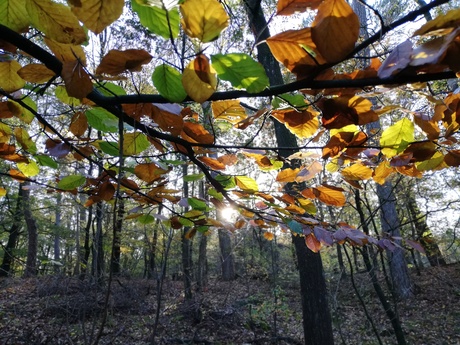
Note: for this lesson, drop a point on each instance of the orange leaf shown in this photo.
(17, 175)
(295, 209)
(382, 171)
(335, 29)
(106, 191)
(296, 50)
(167, 121)
(77, 82)
(288, 7)
(428, 125)
(228, 159)
(78, 124)
(268, 236)
(356, 172)
(149, 172)
(312, 243)
(342, 111)
(212, 163)
(36, 73)
(287, 175)
(306, 174)
(118, 61)
(330, 195)
(230, 111)
(197, 133)
(303, 124)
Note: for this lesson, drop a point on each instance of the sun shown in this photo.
(228, 214)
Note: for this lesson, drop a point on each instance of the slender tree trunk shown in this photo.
(202, 265)
(98, 246)
(186, 248)
(317, 321)
(57, 239)
(226, 255)
(32, 233)
(115, 263)
(14, 232)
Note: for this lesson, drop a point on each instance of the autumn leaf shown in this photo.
(343, 111)
(335, 29)
(134, 143)
(444, 21)
(428, 125)
(199, 79)
(330, 195)
(229, 111)
(78, 124)
(312, 243)
(382, 171)
(97, 14)
(295, 50)
(357, 172)
(287, 175)
(247, 184)
(56, 21)
(396, 138)
(23, 137)
(197, 133)
(66, 52)
(399, 59)
(203, 19)
(452, 158)
(35, 73)
(288, 7)
(119, 61)
(148, 172)
(212, 163)
(9, 78)
(269, 236)
(166, 119)
(77, 81)
(303, 124)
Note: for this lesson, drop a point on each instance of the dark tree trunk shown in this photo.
(57, 239)
(32, 233)
(115, 263)
(317, 321)
(98, 246)
(14, 232)
(202, 265)
(226, 255)
(186, 249)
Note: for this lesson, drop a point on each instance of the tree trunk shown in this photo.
(317, 321)
(57, 240)
(391, 225)
(98, 246)
(115, 265)
(32, 233)
(226, 255)
(202, 265)
(186, 248)
(14, 232)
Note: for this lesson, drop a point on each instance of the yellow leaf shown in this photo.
(307, 205)
(56, 21)
(442, 23)
(230, 111)
(97, 14)
(247, 184)
(9, 79)
(203, 19)
(5, 133)
(382, 172)
(295, 209)
(357, 171)
(2, 191)
(288, 7)
(335, 29)
(303, 124)
(66, 52)
(119, 61)
(77, 82)
(199, 79)
(36, 73)
(13, 14)
(287, 175)
(23, 137)
(431, 164)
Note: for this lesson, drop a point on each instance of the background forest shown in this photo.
(229, 172)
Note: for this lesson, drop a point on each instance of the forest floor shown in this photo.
(62, 310)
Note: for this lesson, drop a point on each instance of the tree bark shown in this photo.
(226, 255)
(186, 248)
(115, 263)
(14, 232)
(317, 321)
(32, 233)
(57, 240)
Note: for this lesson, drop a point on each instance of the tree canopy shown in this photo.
(59, 112)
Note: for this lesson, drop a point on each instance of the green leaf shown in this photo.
(248, 184)
(193, 177)
(29, 169)
(276, 165)
(13, 14)
(214, 193)
(111, 89)
(71, 182)
(134, 143)
(295, 226)
(146, 219)
(186, 222)
(228, 182)
(197, 204)
(47, 161)
(101, 120)
(241, 71)
(26, 115)
(397, 137)
(158, 20)
(110, 148)
(168, 82)
(287, 99)
(61, 94)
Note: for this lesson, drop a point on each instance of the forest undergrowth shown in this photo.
(63, 310)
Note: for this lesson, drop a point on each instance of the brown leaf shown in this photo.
(56, 148)
(312, 243)
(118, 61)
(330, 195)
(66, 52)
(287, 175)
(197, 133)
(445, 21)
(212, 163)
(77, 82)
(335, 29)
(399, 59)
(342, 111)
(167, 121)
(303, 124)
(452, 158)
(149, 172)
(36, 73)
(78, 124)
